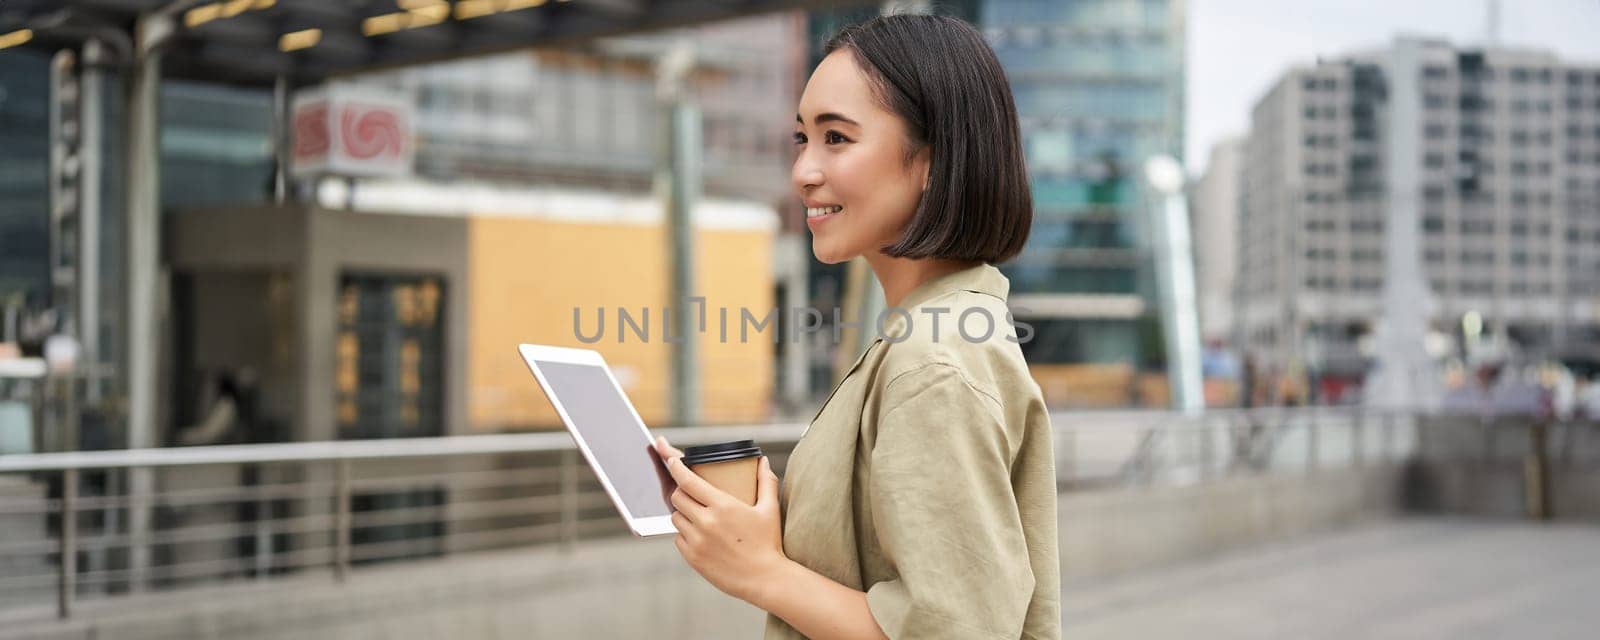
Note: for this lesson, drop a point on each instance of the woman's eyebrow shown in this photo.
(827, 117)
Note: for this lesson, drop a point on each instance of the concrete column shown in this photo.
(92, 95)
(281, 90)
(144, 306)
(1404, 376)
(680, 172)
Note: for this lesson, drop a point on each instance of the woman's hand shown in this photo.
(734, 546)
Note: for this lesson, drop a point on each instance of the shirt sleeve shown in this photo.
(945, 514)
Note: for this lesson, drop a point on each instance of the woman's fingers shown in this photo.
(695, 486)
(766, 485)
(682, 503)
(686, 532)
(665, 450)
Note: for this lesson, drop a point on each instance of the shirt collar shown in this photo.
(984, 278)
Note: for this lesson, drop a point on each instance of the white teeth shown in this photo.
(812, 212)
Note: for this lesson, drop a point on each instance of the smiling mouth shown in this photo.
(817, 212)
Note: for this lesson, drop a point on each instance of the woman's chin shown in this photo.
(828, 255)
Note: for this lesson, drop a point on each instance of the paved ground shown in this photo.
(1408, 578)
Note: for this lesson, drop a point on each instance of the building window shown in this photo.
(389, 357)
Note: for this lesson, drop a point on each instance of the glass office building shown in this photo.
(1099, 89)
(24, 176)
(215, 149)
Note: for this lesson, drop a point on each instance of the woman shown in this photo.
(920, 503)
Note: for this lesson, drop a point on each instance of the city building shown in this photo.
(1494, 152)
(1215, 208)
(216, 148)
(532, 205)
(1099, 88)
(357, 305)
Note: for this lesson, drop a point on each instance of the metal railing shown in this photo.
(253, 512)
(1146, 448)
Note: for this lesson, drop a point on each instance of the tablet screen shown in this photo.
(617, 441)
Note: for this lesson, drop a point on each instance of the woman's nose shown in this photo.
(805, 174)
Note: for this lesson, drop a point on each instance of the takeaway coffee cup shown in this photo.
(730, 466)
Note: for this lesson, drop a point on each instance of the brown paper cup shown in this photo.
(737, 477)
(733, 467)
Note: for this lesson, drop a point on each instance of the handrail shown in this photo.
(340, 504)
(553, 440)
(443, 446)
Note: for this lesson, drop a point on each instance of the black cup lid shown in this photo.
(721, 452)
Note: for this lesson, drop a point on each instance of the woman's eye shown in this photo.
(799, 138)
(833, 137)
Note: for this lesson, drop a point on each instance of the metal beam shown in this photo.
(152, 35)
(252, 60)
(92, 98)
(554, 23)
(338, 48)
(622, 8)
(127, 6)
(142, 232)
(244, 29)
(679, 170)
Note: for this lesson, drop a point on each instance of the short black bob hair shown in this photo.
(944, 81)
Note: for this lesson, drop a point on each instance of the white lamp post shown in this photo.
(1174, 253)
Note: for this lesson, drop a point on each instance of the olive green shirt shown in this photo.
(928, 478)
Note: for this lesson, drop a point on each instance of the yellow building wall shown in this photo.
(526, 275)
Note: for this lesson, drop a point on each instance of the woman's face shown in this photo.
(851, 172)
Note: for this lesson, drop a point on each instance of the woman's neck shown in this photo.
(900, 276)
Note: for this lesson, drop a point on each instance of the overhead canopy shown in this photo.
(253, 42)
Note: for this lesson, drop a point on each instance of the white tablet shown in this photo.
(609, 433)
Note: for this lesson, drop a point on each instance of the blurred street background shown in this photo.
(1313, 289)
